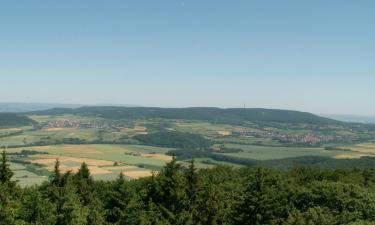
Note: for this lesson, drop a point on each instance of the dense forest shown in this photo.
(185, 195)
(12, 120)
(174, 139)
(218, 115)
(365, 162)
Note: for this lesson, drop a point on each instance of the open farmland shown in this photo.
(269, 153)
(25, 177)
(357, 151)
(137, 141)
(104, 161)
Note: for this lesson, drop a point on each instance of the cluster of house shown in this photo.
(308, 138)
(84, 124)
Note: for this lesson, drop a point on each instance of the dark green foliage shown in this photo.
(5, 172)
(36, 209)
(265, 199)
(13, 120)
(286, 163)
(188, 196)
(217, 115)
(174, 139)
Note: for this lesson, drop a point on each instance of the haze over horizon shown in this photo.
(308, 56)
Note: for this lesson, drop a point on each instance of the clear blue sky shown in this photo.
(316, 56)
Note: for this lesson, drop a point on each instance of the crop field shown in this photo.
(267, 153)
(104, 161)
(25, 178)
(249, 141)
(206, 129)
(357, 151)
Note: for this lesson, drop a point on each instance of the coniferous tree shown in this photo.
(123, 204)
(36, 209)
(5, 171)
(171, 188)
(8, 207)
(192, 190)
(84, 184)
(264, 201)
(56, 175)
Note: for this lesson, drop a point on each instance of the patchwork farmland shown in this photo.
(139, 141)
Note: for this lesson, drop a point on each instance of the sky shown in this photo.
(316, 56)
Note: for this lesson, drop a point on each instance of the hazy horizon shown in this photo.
(339, 116)
(307, 56)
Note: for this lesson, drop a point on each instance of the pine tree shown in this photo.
(72, 212)
(264, 202)
(56, 175)
(84, 173)
(123, 204)
(8, 208)
(171, 187)
(5, 171)
(192, 181)
(192, 189)
(36, 209)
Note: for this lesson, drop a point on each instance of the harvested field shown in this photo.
(224, 133)
(348, 156)
(10, 129)
(51, 159)
(71, 149)
(137, 174)
(158, 156)
(140, 128)
(358, 151)
(94, 170)
(120, 168)
(55, 129)
(81, 149)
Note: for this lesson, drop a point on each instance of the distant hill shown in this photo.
(12, 120)
(230, 116)
(27, 107)
(352, 118)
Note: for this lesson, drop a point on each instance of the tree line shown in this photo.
(185, 195)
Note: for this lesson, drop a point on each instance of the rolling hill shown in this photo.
(18, 107)
(229, 116)
(12, 120)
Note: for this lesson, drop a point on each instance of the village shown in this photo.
(77, 124)
(295, 139)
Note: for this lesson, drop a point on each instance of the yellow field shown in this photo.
(10, 129)
(358, 151)
(121, 168)
(224, 133)
(94, 170)
(51, 159)
(137, 174)
(158, 156)
(101, 159)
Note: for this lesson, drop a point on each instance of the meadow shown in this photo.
(269, 153)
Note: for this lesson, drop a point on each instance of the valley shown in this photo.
(139, 141)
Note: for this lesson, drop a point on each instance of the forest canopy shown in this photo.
(185, 195)
(13, 120)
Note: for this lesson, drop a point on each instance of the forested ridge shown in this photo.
(229, 116)
(11, 120)
(185, 195)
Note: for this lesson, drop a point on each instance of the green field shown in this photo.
(268, 153)
(25, 178)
